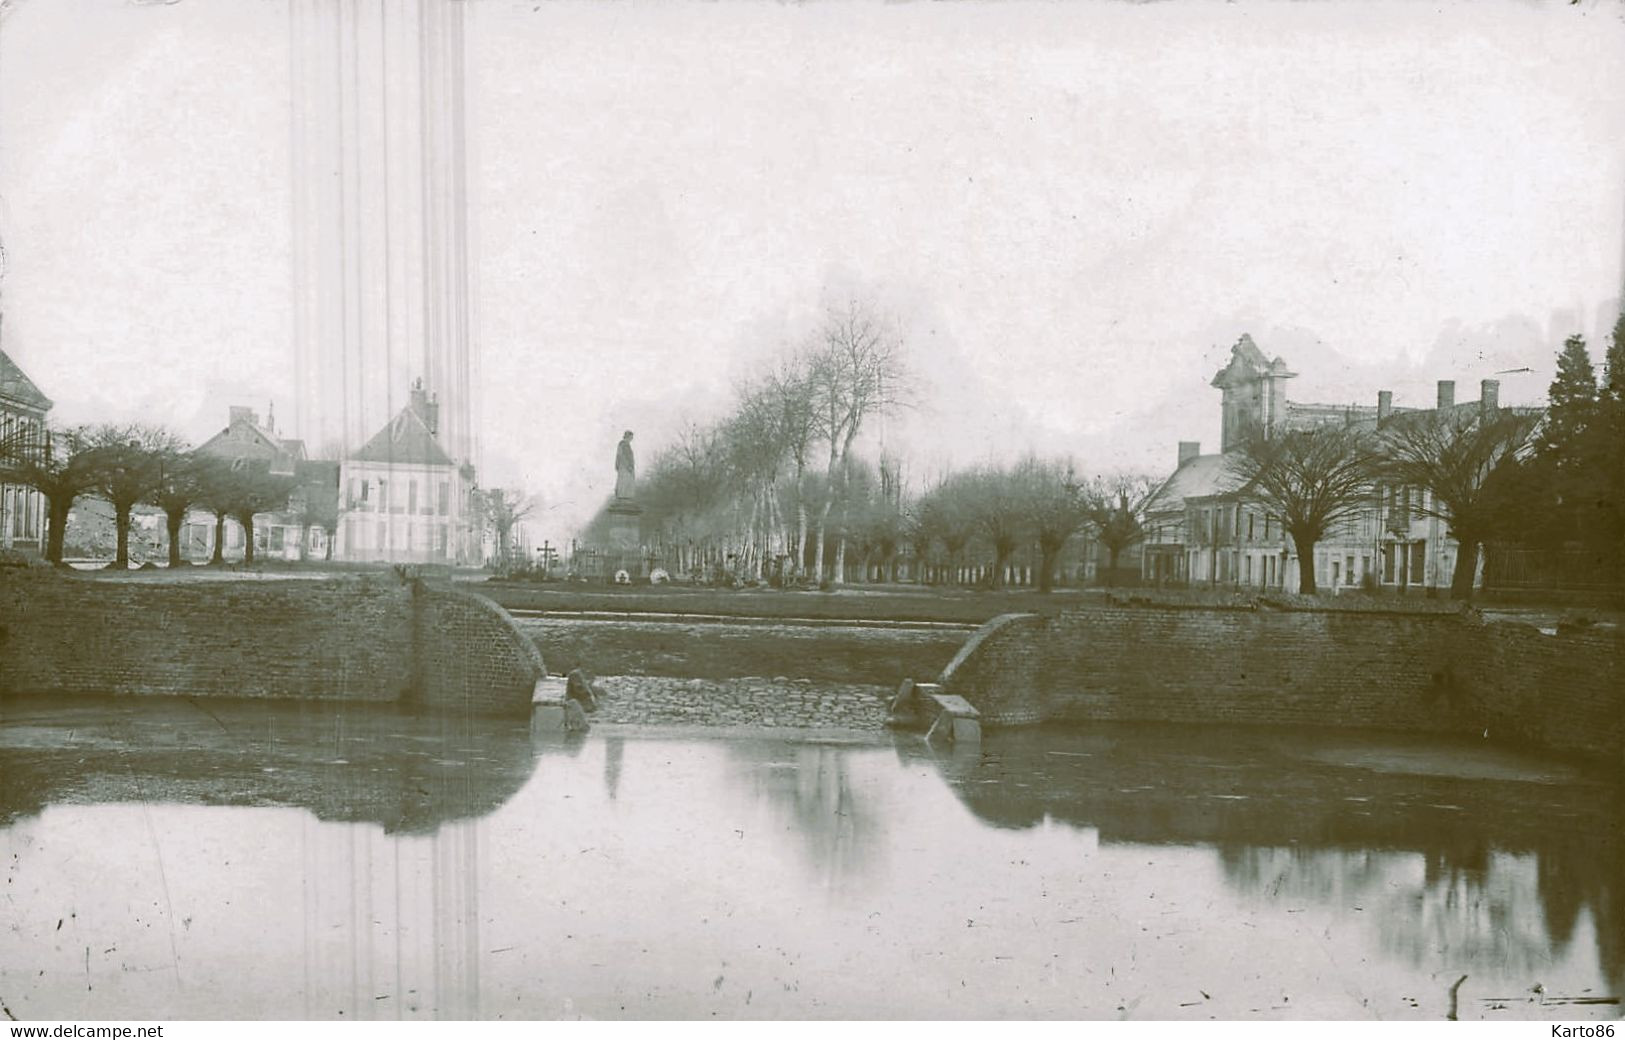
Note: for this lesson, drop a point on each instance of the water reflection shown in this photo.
(811, 789)
(175, 860)
(1485, 863)
(409, 773)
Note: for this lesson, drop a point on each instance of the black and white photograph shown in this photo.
(829, 511)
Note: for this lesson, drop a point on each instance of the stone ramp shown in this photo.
(946, 718)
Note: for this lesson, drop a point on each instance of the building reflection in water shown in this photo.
(1472, 866)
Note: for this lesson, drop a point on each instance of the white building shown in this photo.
(1200, 530)
(403, 499)
(22, 422)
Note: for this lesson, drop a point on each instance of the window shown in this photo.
(412, 496)
(1418, 561)
(1250, 519)
(1348, 570)
(445, 500)
(1390, 573)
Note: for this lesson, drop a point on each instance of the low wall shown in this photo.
(368, 638)
(830, 653)
(1419, 672)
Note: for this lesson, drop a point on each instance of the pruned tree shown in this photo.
(54, 463)
(1458, 460)
(1057, 506)
(1117, 504)
(1310, 479)
(315, 501)
(998, 512)
(180, 489)
(127, 461)
(216, 492)
(248, 489)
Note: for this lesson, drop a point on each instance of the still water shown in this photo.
(216, 859)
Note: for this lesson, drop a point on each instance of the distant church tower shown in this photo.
(1254, 393)
(382, 286)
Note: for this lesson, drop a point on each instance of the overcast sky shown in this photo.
(1072, 209)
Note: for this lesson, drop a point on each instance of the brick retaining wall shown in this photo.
(368, 638)
(471, 655)
(1418, 672)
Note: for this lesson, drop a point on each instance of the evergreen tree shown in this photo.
(1613, 368)
(1572, 398)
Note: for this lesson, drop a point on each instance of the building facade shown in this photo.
(1202, 529)
(403, 499)
(23, 411)
(298, 531)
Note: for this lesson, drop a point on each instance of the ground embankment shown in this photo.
(367, 638)
(863, 603)
(721, 650)
(1426, 671)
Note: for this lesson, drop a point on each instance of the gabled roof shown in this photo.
(16, 386)
(1199, 477)
(405, 440)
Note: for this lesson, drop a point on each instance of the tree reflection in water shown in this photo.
(811, 790)
(1472, 865)
(408, 772)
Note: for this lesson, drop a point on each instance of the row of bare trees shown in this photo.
(128, 465)
(778, 479)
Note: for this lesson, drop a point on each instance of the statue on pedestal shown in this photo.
(625, 468)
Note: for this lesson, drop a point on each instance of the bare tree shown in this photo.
(1311, 479)
(180, 488)
(1116, 505)
(1057, 506)
(54, 463)
(999, 512)
(504, 508)
(856, 372)
(216, 493)
(243, 489)
(128, 463)
(1458, 460)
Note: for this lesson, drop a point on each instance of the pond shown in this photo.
(200, 859)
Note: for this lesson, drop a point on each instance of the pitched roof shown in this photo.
(405, 440)
(1199, 477)
(18, 387)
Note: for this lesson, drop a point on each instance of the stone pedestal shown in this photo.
(624, 548)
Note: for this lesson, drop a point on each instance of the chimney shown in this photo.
(421, 405)
(1489, 395)
(431, 415)
(1189, 450)
(1385, 404)
(1447, 394)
